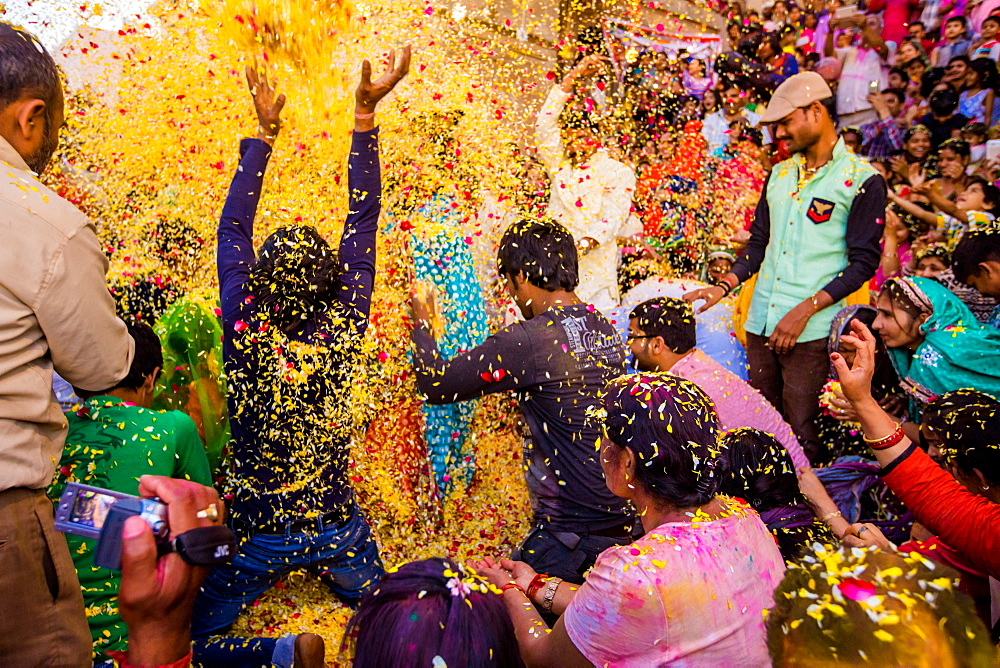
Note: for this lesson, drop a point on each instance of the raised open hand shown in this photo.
(900, 167)
(368, 92)
(917, 176)
(267, 105)
(588, 66)
(892, 225)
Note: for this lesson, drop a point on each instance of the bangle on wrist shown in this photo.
(513, 585)
(726, 285)
(364, 117)
(885, 442)
(262, 131)
(550, 593)
(536, 583)
(829, 516)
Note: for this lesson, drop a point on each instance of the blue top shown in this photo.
(289, 410)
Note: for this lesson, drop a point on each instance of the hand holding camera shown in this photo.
(94, 512)
(157, 593)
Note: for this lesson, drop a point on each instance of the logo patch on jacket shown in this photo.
(820, 210)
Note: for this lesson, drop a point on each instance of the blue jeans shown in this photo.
(546, 553)
(345, 557)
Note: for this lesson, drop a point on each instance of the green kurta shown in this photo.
(110, 444)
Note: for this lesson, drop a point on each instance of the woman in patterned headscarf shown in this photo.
(934, 340)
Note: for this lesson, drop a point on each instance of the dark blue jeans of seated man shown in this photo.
(344, 557)
(546, 553)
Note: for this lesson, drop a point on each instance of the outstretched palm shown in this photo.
(370, 92)
(267, 105)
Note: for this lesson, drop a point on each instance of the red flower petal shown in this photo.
(857, 590)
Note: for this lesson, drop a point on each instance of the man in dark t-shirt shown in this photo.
(556, 361)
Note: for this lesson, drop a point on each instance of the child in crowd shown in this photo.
(974, 134)
(973, 207)
(955, 42)
(976, 263)
(717, 264)
(114, 439)
(989, 46)
(977, 101)
(853, 138)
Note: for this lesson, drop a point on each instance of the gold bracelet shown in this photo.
(815, 302)
(830, 516)
(873, 441)
(550, 593)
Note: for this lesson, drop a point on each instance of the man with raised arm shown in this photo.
(293, 316)
(591, 193)
(556, 362)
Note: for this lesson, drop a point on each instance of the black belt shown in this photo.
(330, 520)
(571, 538)
(620, 531)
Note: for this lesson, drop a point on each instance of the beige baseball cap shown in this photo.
(794, 93)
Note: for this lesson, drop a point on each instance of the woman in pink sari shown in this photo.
(692, 590)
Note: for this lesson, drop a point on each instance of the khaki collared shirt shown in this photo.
(55, 312)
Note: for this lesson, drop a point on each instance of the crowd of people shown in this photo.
(827, 178)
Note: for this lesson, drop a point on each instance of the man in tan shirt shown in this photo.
(55, 312)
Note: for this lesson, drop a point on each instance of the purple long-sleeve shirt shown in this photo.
(289, 446)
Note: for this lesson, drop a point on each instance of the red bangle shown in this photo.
(512, 585)
(537, 583)
(892, 439)
(726, 285)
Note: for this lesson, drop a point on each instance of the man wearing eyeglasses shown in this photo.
(814, 241)
(662, 337)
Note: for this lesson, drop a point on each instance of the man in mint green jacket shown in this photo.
(814, 241)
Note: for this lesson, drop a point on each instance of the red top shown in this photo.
(967, 522)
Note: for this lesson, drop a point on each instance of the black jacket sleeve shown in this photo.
(865, 222)
(502, 362)
(760, 235)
